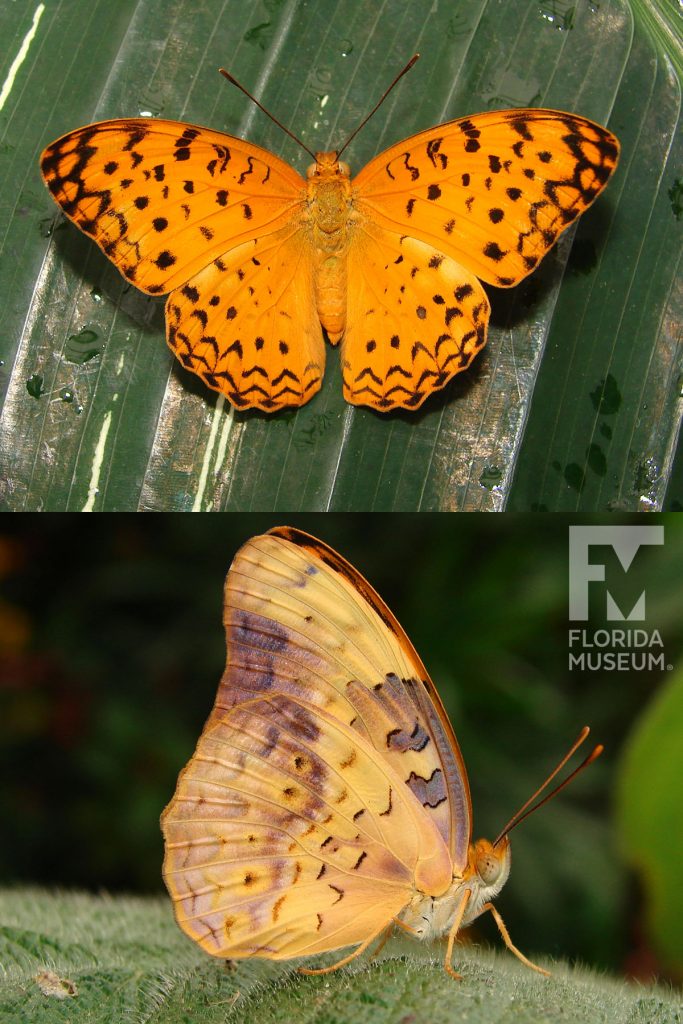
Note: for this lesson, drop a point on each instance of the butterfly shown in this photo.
(256, 258)
(327, 802)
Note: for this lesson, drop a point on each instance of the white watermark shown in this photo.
(613, 649)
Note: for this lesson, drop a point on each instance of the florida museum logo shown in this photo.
(630, 646)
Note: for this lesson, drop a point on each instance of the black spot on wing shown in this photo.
(494, 252)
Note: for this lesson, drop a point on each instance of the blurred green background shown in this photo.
(111, 649)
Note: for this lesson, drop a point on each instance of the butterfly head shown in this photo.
(328, 165)
(487, 871)
(489, 863)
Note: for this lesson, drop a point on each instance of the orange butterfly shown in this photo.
(256, 257)
(327, 800)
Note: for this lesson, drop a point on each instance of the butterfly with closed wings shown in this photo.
(327, 801)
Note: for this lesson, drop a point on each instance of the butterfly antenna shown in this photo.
(398, 78)
(231, 78)
(525, 810)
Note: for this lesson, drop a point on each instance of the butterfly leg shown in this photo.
(382, 943)
(406, 927)
(457, 921)
(345, 960)
(508, 941)
(387, 935)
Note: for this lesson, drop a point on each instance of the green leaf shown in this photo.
(127, 961)
(650, 815)
(573, 405)
(603, 425)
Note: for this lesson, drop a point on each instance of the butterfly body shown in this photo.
(330, 208)
(429, 917)
(255, 257)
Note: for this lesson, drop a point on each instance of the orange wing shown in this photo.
(247, 324)
(164, 199)
(217, 220)
(492, 191)
(415, 319)
(483, 197)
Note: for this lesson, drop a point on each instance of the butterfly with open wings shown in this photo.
(256, 258)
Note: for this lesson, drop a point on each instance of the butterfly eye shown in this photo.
(488, 868)
(312, 171)
(344, 169)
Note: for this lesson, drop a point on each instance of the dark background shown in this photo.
(111, 648)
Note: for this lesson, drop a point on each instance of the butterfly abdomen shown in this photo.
(329, 204)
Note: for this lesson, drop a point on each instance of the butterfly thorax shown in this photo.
(484, 876)
(329, 209)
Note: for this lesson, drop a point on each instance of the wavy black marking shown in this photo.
(414, 171)
(245, 174)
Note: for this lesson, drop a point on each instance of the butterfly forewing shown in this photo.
(301, 621)
(493, 191)
(162, 199)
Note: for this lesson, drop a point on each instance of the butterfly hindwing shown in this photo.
(288, 836)
(246, 324)
(415, 319)
(493, 191)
